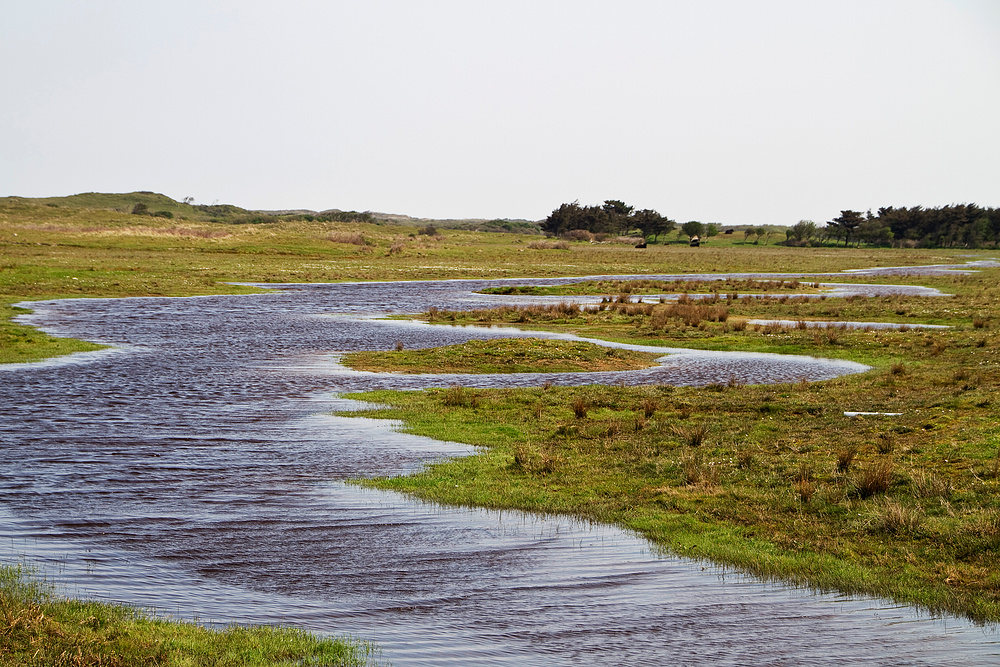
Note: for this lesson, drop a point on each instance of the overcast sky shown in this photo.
(738, 112)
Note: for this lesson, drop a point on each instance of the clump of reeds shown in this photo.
(697, 472)
(929, 485)
(649, 407)
(528, 461)
(458, 396)
(845, 457)
(874, 478)
(692, 436)
(885, 443)
(893, 518)
(744, 457)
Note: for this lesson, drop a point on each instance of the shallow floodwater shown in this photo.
(195, 469)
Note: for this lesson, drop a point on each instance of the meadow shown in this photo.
(772, 479)
(88, 246)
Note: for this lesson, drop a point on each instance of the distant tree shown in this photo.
(611, 217)
(140, 209)
(711, 229)
(801, 232)
(651, 223)
(874, 231)
(846, 225)
(750, 231)
(617, 213)
(692, 228)
(566, 217)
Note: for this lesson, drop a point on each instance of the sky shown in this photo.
(763, 112)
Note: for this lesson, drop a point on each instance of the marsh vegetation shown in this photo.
(773, 479)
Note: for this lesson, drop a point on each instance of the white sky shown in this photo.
(732, 111)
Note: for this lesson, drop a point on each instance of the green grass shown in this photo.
(502, 355)
(19, 343)
(38, 628)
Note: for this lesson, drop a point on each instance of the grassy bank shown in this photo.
(38, 628)
(775, 480)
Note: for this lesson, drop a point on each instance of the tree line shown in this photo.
(613, 217)
(956, 225)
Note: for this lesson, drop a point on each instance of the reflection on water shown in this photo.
(196, 472)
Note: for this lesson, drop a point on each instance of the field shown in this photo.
(773, 479)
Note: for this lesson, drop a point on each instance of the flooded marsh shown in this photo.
(195, 468)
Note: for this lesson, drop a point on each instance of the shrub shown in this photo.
(577, 235)
(548, 245)
(353, 238)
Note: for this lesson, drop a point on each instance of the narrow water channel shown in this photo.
(195, 469)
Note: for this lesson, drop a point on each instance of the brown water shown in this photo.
(195, 469)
